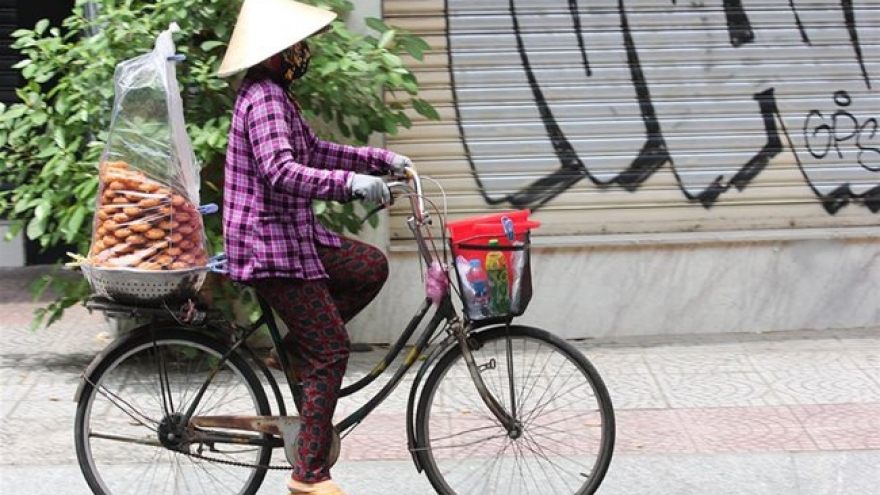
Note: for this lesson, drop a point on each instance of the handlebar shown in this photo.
(412, 188)
(413, 191)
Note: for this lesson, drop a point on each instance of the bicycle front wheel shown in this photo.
(565, 434)
(130, 437)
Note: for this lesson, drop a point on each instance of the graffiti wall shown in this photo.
(638, 115)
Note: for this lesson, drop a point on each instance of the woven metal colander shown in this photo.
(128, 285)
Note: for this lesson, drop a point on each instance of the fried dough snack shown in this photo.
(141, 223)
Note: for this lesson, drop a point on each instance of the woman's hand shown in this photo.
(370, 188)
(399, 164)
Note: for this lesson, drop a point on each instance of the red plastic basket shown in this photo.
(499, 246)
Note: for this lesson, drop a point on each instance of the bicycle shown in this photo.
(180, 403)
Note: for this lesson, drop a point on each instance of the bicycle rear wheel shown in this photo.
(129, 438)
(566, 430)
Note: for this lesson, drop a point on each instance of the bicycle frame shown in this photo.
(445, 312)
(445, 316)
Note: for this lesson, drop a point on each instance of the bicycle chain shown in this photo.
(243, 464)
(231, 463)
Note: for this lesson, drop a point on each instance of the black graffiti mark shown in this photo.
(738, 25)
(867, 149)
(767, 103)
(844, 128)
(850, 17)
(576, 18)
(651, 157)
(458, 119)
(572, 170)
(800, 25)
(654, 152)
(842, 195)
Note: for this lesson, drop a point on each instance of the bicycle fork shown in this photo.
(507, 419)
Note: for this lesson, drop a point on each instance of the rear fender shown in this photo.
(87, 376)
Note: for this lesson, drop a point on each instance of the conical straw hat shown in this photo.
(266, 27)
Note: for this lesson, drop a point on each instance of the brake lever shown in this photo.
(376, 209)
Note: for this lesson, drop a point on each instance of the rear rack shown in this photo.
(188, 312)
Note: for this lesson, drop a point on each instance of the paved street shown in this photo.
(778, 413)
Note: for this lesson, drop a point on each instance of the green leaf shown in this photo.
(22, 33)
(36, 228)
(76, 221)
(60, 139)
(40, 285)
(14, 112)
(41, 26)
(426, 109)
(386, 38)
(28, 71)
(376, 24)
(39, 117)
(210, 45)
(21, 206)
(416, 47)
(418, 43)
(41, 212)
(391, 59)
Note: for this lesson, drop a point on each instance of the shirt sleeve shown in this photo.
(273, 135)
(363, 160)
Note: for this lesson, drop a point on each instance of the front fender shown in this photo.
(446, 346)
(411, 440)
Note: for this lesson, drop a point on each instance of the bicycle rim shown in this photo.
(566, 437)
(131, 405)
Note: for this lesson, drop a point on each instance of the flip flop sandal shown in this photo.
(325, 489)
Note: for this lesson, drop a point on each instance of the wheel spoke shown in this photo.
(539, 452)
(129, 410)
(131, 437)
(554, 391)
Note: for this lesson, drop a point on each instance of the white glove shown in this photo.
(399, 164)
(369, 188)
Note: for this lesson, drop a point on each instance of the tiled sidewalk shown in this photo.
(778, 392)
(786, 392)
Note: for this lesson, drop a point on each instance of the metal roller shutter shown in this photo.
(8, 58)
(633, 116)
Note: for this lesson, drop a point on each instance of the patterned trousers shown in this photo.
(315, 312)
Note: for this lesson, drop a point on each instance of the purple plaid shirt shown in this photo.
(275, 167)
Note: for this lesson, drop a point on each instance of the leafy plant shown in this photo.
(51, 141)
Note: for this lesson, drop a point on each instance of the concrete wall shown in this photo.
(11, 252)
(694, 284)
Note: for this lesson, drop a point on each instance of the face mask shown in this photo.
(295, 61)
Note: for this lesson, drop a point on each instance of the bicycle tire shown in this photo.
(122, 402)
(454, 432)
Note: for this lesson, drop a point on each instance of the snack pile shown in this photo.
(141, 223)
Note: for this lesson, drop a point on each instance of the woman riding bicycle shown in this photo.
(275, 166)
